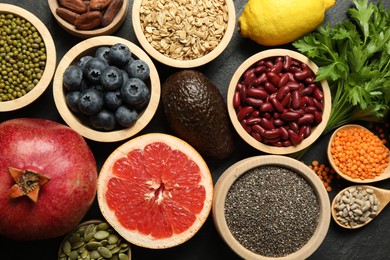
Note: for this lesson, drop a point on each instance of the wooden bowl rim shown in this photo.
(236, 170)
(51, 59)
(184, 63)
(383, 176)
(87, 222)
(74, 122)
(316, 131)
(107, 30)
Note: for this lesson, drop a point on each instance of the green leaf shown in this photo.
(362, 15)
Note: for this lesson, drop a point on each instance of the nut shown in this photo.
(88, 20)
(76, 6)
(67, 14)
(111, 12)
(99, 4)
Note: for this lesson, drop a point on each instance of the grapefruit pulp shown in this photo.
(155, 190)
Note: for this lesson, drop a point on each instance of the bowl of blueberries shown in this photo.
(106, 88)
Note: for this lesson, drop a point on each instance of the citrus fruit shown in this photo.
(276, 22)
(155, 190)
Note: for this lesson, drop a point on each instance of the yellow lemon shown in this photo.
(276, 22)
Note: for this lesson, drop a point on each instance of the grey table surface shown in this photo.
(370, 242)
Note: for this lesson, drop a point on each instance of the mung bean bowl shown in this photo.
(110, 125)
(94, 238)
(83, 21)
(184, 33)
(271, 207)
(28, 57)
(275, 104)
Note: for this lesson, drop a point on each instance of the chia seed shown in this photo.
(272, 211)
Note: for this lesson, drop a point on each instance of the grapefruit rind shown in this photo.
(134, 236)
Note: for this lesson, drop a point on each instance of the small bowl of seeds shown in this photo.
(275, 103)
(271, 207)
(106, 88)
(94, 239)
(184, 34)
(28, 55)
(85, 19)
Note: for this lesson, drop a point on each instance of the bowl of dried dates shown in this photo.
(85, 19)
(275, 102)
(106, 88)
(184, 34)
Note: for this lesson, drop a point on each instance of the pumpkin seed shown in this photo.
(115, 250)
(62, 258)
(74, 238)
(93, 245)
(113, 239)
(103, 226)
(94, 254)
(123, 257)
(78, 244)
(73, 255)
(101, 234)
(67, 248)
(103, 251)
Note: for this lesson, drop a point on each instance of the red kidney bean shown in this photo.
(255, 113)
(283, 133)
(309, 80)
(236, 99)
(291, 77)
(254, 102)
(293, 126)
(257, 93)
(294, 137)
(301, 86)
(267, 115)
(248, 72)
(270, 88)
(271, 141)
(243, 91)
(278, 122)
(273, 78)
(276, 104)
(317, 104)
(283, 80)
(287, 143)
(259, 69)
(305, 119)
(302, 131)
(304, 100)
(277, 68)
(282, 92)
(277, 144)
(260, 79)
(295, 99)
(279, 58)
(292, 85)
(253, 120)
(247, 128)
(276, 115)
(287, 63)
(266, 107)
(258, 129)
(307, 132)
(269, 64)
(260, 63)
(317, 117)
(286, 101)
(271, 134)
(248, 80)
(299, 111)
(308, 91)
(296, 63)
(289, 116)
(310, 101)
(304, 74)
(310, 109)
(257, 136)
(266, 124)
(244, 112)
(317, 94)
(294, 70)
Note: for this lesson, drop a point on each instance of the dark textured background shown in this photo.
(370, 242)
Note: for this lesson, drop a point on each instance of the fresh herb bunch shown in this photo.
(354, 56)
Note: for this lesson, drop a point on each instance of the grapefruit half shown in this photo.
(155, 190)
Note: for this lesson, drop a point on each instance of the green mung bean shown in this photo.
(272, 211)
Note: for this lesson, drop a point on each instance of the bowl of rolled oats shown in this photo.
(184, 33)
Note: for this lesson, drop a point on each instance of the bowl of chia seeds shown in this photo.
(271, 207)
(28, 55)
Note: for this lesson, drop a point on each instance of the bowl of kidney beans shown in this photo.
(275, 103)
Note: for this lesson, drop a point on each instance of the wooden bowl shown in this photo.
(383, 176)
(88, 47)
(190, 63)
(86, 223)
(235, 171)
(107, 30)
(315, 132)
(51, 55)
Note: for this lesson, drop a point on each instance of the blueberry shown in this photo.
(119, 54)
(90, 102)
(104, 120)
(83, 60)
(72, 100)
(138, 69)
(94, 68)
(125, 77)
(134, 91)
(102, 53)
(141, 106)
(72, 78)
(112, 99)
(125, 116)
(99, 88)
(111, 78)
(84, 85)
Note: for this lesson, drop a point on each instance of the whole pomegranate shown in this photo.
(48, 179)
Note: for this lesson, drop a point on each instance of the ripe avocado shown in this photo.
(197, 113)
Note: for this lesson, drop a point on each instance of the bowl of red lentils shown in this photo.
(86, 19)
(271, 207)
(275, 103)
(28, 55)
(184, 34)
(358, 155)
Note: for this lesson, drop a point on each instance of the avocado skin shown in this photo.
(196, 112)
